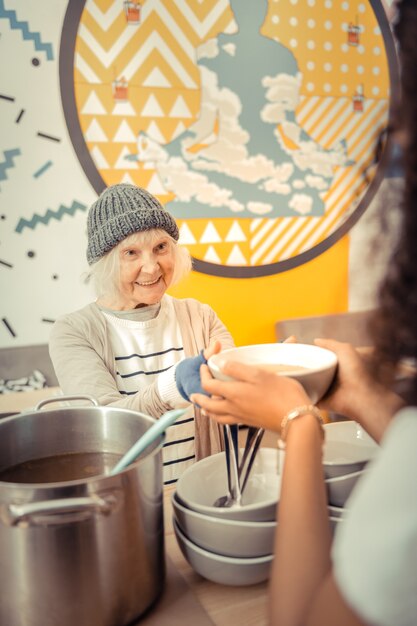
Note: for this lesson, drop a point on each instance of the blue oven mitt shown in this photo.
(187, 376)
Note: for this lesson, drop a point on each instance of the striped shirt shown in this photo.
(147, 344)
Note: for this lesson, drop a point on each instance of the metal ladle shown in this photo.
(145, 440)
(231, 449)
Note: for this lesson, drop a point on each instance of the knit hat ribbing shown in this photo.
(120, 211)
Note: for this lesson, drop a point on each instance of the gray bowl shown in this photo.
(347, 448)
(205, 481)
(223, 569)
(232, 538)
(340, 488)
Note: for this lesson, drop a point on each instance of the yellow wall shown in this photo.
(250, 307)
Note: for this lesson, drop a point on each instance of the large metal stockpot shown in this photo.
(87, 552)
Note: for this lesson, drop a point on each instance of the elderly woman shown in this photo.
(124, 348)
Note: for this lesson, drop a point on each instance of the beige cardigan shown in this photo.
(84, 362)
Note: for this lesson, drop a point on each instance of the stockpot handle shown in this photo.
(23, 513)
(65, 399)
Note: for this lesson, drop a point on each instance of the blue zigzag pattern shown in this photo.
(26, 33)
(9, 162)
(49, 215)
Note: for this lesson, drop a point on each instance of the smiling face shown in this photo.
(146, 268)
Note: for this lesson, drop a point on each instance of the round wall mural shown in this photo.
(257, 124)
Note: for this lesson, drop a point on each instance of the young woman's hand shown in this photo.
(254, 396)
(355, 393)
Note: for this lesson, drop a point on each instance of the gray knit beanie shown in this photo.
(122, 210)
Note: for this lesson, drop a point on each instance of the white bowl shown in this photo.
(347, 448)
(340, 488)
(223, 569)
(319, 365)
(205, 481)
(227, 537)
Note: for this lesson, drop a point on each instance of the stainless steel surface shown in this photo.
(231, 446)
(252, 445)
(86, 552)
(61, 399)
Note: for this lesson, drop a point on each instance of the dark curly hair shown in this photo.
(395, 324)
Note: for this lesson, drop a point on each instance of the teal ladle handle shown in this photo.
(167, 419)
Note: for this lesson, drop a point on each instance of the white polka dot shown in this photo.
(327, 87)
(361, 49)
(345, 6)
(293, 43)
(328, 4)
(293, 21)
(343, 88)
(376, 71)
(311, 44)
(344, 47)
(275, 19)
(327, 67)
(276, 38)
(344, 68)
(311, 23)
(310, 86)
(377, 30)
(294, 1)
(360, 69)
(377, 50)
(345, 27)
(328, 46)
(311, 3)
(375, 91)
(361, 8)
(328, 25)
(311, 65)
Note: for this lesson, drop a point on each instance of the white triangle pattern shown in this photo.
(125, 164)
(99, 159)
(152, 108)
(124, 134)
(236, 257)
(180, 108)
(95, 133)
(124, 108)
(128, 179)
(235, 233)
(154, 133)
(211, 255)
(186, 236)
(93, 105)
(155, 186)
(156, 79)
(210, 234)
(180, 128)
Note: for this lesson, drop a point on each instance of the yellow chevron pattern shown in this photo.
(152, 65)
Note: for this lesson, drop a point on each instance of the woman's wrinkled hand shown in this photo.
(254, 396)
(213, 348)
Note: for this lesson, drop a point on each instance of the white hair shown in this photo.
(105, 273)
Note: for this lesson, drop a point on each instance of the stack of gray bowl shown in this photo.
(347, 451)
(228, 545)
